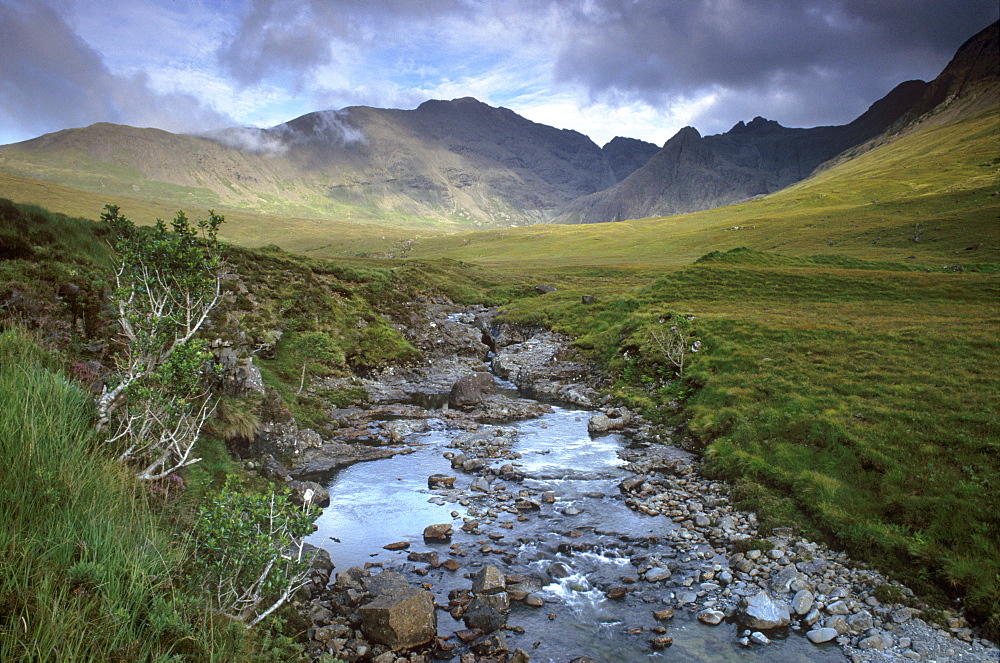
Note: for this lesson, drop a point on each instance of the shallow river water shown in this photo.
(387, 501)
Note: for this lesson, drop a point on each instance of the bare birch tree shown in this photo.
(167, 284)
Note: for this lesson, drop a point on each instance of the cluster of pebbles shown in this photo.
(792, 582)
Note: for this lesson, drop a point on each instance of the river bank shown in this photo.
(682, 549)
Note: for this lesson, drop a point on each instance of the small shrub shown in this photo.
(746, 545)
(85, 576)
(887, 593)
(249, 552)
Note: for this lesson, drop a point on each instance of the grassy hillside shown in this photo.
(89, 573)
(853, 399)
(938, 186)
(301, 235)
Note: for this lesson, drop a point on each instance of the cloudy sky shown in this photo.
(639, 68)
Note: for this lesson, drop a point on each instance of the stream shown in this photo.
(574, 548)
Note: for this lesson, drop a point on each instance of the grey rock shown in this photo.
(726, 523)
(802, 602)
(838, 608)
(781, 583)
(559, 570)
(880, 642)
(761, 612)
(819, 635)
(484, 617)
(470, 390)
(499, 602)
(711, 617)
(493, 643)
(656, 574)
(861, 621)
(838, 623)
(902, 615)
(438, 533)
(480, 484)
(440, 481)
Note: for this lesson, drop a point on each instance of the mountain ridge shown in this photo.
(464, 164)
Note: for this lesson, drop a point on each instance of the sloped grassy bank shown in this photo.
(87, 567)
(854, 399)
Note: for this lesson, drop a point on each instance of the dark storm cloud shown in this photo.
(806, 61)
(289, 38)
(709, 63)
(51, 79)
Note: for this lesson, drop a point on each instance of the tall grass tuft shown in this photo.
(86, 572)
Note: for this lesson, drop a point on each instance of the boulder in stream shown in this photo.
(401, 618)
(484, 617)
(488, 580)
(440, 481)
(470, 390)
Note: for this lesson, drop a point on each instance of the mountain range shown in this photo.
(463, 163)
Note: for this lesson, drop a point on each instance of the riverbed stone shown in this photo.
(430, 557)
(861, 621)
(761, 612)
(440, 481)
(558, 570)
(838, 608)
(803, 601)
(837, 623)
(488, 580)
(438, 533)
(499, 602)
(493, 643)
(879, 641)
(484, 617)
(400, 618)
(711, 617)
(656, 574)
(819, 635)
(534, 600)
(470, 390)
